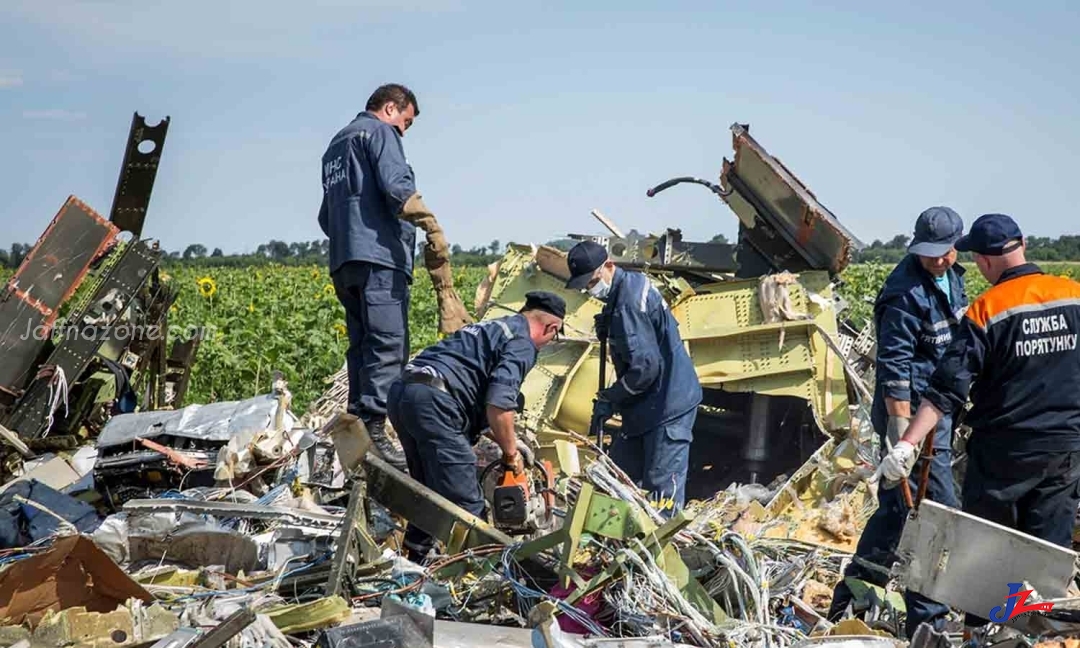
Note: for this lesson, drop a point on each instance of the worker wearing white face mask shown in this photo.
(657, 392)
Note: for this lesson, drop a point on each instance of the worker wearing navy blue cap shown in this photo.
(657, 392)
(916, 316)
(455, 390)
(1017, 357)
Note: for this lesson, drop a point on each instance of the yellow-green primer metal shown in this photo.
(721, 324)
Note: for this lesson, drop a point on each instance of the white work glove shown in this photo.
(897, 464)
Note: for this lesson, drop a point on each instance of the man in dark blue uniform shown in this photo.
(916, 315)
(452, 391)
(1017, 356)
(370, 209)
(657, 392)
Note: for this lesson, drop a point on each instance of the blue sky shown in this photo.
(534, 113)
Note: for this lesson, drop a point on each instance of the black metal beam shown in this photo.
(137, 174)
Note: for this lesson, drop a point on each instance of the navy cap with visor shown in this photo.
(989, 235)
(583, 259)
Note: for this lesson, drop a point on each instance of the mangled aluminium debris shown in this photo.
(967, 562)
(108, 353)
(739, 358)
(144, 452)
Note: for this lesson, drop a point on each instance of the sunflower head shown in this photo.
(339, 328)
(207, 287)
(328, 290)
(314, 273)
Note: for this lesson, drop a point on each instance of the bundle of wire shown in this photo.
(519, 580)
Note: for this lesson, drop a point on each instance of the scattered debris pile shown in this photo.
(132, 519)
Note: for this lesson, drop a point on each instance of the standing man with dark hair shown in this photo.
(916, 316)
(370, 209)
(657, 393)
(1017, 357)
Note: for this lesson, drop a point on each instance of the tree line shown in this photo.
(1040, 248)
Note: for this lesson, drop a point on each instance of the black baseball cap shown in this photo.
(936, 232)
(989, 234)
(546, 301)
(583, 260)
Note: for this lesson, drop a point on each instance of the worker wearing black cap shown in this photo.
(1017, 356)
(454, 390)
(657, 392)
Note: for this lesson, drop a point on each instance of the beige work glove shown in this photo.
(452, 313)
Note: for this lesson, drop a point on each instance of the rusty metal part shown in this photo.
(48, 276)
(780, 218)
(137, 173)
(924, 478)
(173, 456)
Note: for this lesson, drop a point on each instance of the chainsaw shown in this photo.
(521, 503)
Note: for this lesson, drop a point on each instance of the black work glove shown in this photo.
(603, 408)
(601, 326)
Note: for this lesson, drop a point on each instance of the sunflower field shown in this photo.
(285, 318)
(273, 317)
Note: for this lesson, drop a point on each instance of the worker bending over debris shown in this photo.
(370, 210)
(916, 316)
(452, 391)
(657, 393)
(1016, 354)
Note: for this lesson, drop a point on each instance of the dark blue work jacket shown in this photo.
(366, 182)
(1017, 357)
(483, 364)
(915, 324)
(656, 378)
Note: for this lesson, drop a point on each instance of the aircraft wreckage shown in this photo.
(241, 524)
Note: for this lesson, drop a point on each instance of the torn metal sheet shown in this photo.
(82, 338)
(72, 573)
(50, 274)
(211, 422)
(782, 223)
(131, 625)
(967, 562)
(197, 544)
(225, 510)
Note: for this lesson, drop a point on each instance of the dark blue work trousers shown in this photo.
(1036, 493)
(376, 301)
(881, 535)
(657, 461)
(431, 426)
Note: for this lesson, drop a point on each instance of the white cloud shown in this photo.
(10, 80)
(54, 114)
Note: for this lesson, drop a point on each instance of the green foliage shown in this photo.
(863, 281)
(275, 317)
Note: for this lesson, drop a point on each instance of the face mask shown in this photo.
(600, 289)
